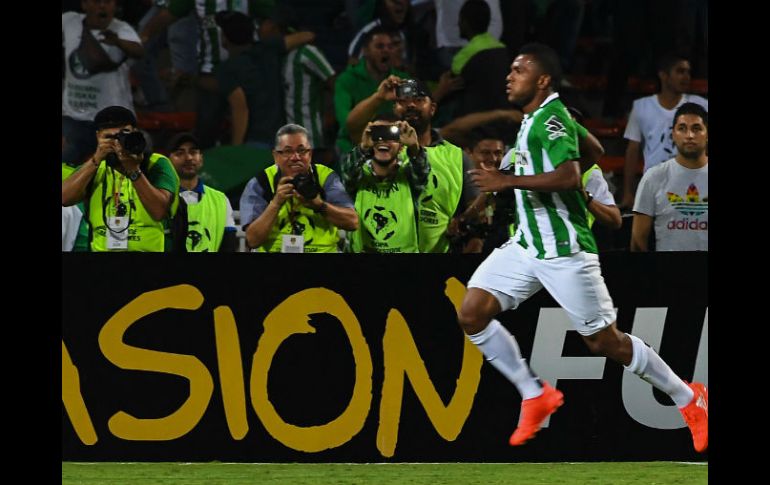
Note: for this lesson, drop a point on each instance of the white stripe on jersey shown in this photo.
(562, 210)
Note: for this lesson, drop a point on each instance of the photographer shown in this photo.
(384, 188)
(293, 206)
(129, 193)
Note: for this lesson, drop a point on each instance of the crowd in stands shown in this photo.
(352, 125)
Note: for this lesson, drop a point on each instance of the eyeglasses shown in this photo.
(289, 152)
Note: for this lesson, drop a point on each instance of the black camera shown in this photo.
(305, 185)
(385, 133)
(132, 141)
(408, 88)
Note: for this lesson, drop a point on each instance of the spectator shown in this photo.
(96, 46)
(396, 16)
(384, 188)
(182, 43)
(482, 65)
(129, 192)
(449, 39)
(204, 221)
(358, 82)
(307, 76)
(211, 52)
(251, 79)
(649, 124)
(673, 196)
(293, 206)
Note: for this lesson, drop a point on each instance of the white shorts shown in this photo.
(575, 282)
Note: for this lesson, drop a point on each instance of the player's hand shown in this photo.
(490, 180)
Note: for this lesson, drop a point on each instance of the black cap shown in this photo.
(236, 26)
(180, 139)
(114, 116)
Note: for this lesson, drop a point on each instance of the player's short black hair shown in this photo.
(547, 59)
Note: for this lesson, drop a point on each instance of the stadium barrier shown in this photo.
(354, 358)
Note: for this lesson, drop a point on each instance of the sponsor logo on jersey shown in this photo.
(555, 128)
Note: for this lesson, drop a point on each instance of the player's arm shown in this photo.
(565, 177)
(606, 215)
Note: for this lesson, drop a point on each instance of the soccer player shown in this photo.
(553, 248)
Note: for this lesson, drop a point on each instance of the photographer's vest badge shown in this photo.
(292, 243)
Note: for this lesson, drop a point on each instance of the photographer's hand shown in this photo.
(130, 161)
(409, 138)
(366, 139)
(316, 204)
(283, 192)
(104, 146)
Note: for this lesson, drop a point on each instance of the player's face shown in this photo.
(690, 135)
(488, 153)
(293, 154)
(521, 85)
(187, 160)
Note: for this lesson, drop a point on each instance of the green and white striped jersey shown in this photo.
(210, 50)
(304, 73)
(548, 224)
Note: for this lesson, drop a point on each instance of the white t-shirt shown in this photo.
(85, 94)
(650, 124)
(70, 224)
(677, 198)
(448, 15)
(597, 186)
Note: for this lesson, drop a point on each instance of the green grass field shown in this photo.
(647, 473)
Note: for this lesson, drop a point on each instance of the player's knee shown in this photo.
(472, 322)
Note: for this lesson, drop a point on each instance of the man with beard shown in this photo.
(361, 80)
(649, 125)
(204, 221)
(449, 190)
(294, 206)
(674, 195)
(384, 188)
(554, 248)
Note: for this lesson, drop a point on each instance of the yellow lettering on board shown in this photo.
(401, 357)
(230, 371)
(291, 317)
(184, 419)
(73, 399)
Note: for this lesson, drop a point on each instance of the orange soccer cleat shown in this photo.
(696, 415)
(533, 413)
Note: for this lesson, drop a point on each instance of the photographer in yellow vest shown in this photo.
(295, 206)
(204, 222)
(129, 192)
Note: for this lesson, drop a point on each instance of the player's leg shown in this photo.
(485, 299)
(593, 316)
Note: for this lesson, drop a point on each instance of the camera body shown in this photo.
(305, 185)
(408, 88)
(131, 141)
(385, 133)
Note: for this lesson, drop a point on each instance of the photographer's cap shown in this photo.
(114, 116)
(180, 139)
